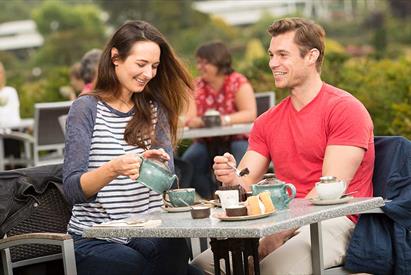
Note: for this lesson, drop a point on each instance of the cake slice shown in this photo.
(260, 204)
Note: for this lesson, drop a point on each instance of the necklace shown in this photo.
(126, 103)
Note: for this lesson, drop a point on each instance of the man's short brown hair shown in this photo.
(308, 35)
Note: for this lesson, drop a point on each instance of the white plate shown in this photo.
(222, 216)
(328, 202)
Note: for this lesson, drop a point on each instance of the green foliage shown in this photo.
(45, 89)
(382, 86)
(69, 32)
(17, 9)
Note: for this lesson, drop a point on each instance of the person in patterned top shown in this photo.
(218, 88)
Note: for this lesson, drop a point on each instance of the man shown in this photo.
(318, 130)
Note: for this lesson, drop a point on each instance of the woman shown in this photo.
(219, 88)
(140, 90)
(9, 102)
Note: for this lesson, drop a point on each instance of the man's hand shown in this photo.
(223, 172)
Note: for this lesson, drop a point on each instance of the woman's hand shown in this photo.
(126, 165)
(157, 153)
(194, 122)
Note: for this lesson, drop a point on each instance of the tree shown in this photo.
(17, 9)
(69, 32)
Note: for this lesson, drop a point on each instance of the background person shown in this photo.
(9, 115)
(9, 102)
(221, 88)
(141, 88)
(318, 130)
(76, 83)
(88, 69)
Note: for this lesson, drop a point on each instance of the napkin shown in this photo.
(130, 223)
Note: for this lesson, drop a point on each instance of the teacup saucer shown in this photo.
(317, 201)
(176, 209)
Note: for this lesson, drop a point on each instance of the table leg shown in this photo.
(2, 154)
(316, 248)
(241, 250)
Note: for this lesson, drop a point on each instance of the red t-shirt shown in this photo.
(296, 141)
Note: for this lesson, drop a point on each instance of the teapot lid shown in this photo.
(270, 179)
(269, 176)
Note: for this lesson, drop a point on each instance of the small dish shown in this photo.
(317, 201)
(236, 211)
(223, 217)
(200, 212)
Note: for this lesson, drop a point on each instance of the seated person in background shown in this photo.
(140, 91)
(9, 102)
(88, 69)
(318, 130)
(9, 114)
(221, 88)
(76, 83)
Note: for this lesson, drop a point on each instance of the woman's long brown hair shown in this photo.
(170, 87)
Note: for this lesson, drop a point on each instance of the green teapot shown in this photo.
(281, 193)
(155, 174)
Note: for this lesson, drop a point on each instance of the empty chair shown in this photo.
(264, 100)
(23, 156)
(48, 133)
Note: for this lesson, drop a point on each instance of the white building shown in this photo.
(244, 12)
(17, 35)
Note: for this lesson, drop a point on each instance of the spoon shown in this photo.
(239, 173)
(347, 194)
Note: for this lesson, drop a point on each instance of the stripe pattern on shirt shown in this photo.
(122, 197)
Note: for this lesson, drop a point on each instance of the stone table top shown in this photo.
(300, 212)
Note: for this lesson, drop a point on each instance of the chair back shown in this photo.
(264, 101)
(48, 133)
(52, 214)
(380, 242)
(392, 162)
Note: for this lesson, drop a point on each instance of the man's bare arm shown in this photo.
(342, 162)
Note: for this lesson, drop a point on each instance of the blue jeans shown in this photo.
(139, 256)
(198, 154)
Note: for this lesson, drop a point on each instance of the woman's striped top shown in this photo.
(122, 197)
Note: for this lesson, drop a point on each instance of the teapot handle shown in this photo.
(293, 191)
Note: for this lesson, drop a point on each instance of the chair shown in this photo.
(264, 100)
(62, 121)
(374, 231)
(35, 239)
(23, 141)
(48, 133)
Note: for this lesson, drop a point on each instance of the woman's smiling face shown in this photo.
(139, 67)
(207, 70)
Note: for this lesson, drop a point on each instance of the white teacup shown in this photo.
(330, 190)
(228, 198)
